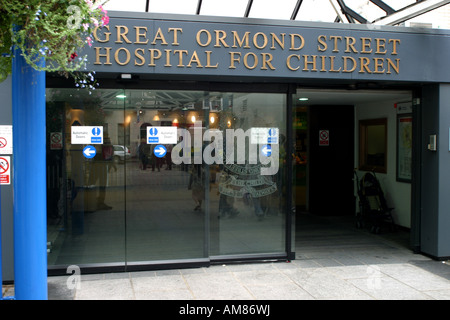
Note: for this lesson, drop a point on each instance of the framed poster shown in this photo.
(404, 147)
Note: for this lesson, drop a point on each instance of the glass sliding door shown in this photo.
(86, 208)
(165, 199)
(165, 176)
(247, 195)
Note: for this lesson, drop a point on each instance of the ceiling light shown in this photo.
(303, 99)
(121, 96)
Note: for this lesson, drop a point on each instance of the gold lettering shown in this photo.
(139, 56)
(267, 60)
(381, 46)
(175, 35)
(139, 35)
(155, 54)
(107, 34)
(168, 51)
(379, 63)
(122, 34)
(323, 69)
(288, 62)
(195, 59)
(208, 60)
(208, 37)
(395, 66)
(307, 62)
(346, 69)
(350, 44)
(240, 42)
(180, 56)
(255, 61)
(322, 41)
(280, 42)
(365, 45)
(159, 36)
(364, 61)
(107, 55)
(127, 54)
(255, 40)
(335, 38)
(394, 45)
(332, 65)
(220, 37)
(234, 59)
(302, 41)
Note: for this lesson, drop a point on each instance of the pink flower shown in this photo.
(105, 20)
(102, 9)
(89, 41)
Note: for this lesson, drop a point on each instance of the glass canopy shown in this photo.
(432, 13)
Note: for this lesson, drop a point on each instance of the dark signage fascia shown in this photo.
(141, 43)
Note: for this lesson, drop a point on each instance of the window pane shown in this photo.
(120, 5)
(270, 9)
(229, 8)
(247, 204)
(173, 6)
(86, 193)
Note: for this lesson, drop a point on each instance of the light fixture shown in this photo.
(125, 76)
(156, 117)
(303, 99)
(193, 118)
(121, 96)
(212, 119)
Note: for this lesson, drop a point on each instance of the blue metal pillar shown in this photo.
(29, 174)
(1, 257)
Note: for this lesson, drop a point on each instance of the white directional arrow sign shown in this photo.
(266, 150)
(89, 152)
(160, 151)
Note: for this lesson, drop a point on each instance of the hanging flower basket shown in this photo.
(50, 35)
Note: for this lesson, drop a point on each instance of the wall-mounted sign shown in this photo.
(56, 141)
(6, 142)
(162, 135)
(5, 169)
(298, 50)
(264, 136)
(87, 135)
(324, 137)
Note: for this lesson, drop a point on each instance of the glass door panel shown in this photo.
(165, 202)
(86, 217)
(248, 191)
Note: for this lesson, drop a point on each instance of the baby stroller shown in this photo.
(373, 208)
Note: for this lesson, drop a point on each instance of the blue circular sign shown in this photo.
(266, 150)
(89, 152)
(160, 151)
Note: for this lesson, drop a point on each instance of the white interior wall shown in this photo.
(398, 194)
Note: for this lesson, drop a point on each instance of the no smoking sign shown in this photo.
(324, 137)
(5, 176)
(56, 141)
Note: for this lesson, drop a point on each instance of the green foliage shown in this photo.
(50, 34)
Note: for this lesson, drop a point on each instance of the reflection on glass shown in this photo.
(87, 221)
(247, 208)
(218, 189)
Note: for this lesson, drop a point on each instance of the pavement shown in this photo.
(332, 263)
